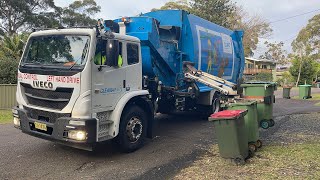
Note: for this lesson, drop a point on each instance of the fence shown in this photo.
(7, 96)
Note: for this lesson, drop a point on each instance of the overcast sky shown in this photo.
(271, 10)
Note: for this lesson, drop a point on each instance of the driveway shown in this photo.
(179, 141)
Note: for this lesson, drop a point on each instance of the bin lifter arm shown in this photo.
(223, 86)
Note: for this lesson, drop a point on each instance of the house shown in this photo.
(255, 66)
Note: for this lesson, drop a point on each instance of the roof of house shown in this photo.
(261, 60)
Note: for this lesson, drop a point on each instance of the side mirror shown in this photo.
(112, 52)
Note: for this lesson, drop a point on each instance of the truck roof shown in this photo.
(81, 31)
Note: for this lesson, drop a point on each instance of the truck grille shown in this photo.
(45, 116)
(57, 99)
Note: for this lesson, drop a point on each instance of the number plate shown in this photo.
(40, 126)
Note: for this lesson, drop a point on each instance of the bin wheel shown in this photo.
(272, 123)
(250, 153)
(252, 147)
(264, 124)
(259, 143)
(239, 161)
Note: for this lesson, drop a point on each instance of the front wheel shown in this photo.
(132, 132)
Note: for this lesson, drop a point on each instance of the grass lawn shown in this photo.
(5, 116)
(315, 97)
(291, 161)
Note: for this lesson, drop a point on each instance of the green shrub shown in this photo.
(263, 76)
(8, 70)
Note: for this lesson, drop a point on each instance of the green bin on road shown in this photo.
(250, 119)
(263, 93)
(286, 92)
(305, 91)
(231, 134)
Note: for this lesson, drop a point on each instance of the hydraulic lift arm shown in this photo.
(223, 86)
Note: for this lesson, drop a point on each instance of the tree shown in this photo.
(254, 27)
(180, 4)
(307, 44)
(78, 13)
(227, 14)
(12, 46)
(275, 52)
(8, 71)
(308, 39)
(304, 70)
(16, 14)
(216, 11)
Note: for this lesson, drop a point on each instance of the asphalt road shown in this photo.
(179, 141)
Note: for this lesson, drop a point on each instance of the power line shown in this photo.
(294, 16)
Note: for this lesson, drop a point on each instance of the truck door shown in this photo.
(108, 81)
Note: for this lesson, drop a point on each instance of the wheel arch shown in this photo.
(140, 99)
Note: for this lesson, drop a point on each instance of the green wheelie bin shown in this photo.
(263, 93)
(305, 91)
(250, 119)
(286, 92)
(232, 135)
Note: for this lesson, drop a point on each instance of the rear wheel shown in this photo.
(215, 107)
(132, 130)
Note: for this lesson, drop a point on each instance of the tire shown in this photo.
(272, 123)
(215, 107)
(252, 147)
(133, 129)
(264, 124)
(259, 144)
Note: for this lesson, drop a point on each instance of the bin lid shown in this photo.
(258, 84)
(243, 102)
(228, 114)
(305, 85)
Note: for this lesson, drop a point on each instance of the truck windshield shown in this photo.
(57, 50)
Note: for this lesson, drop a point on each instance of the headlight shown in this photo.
(14, 111)
(78, 135)
(16, 121)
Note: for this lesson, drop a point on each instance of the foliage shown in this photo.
(12, 46)
(180, 4)
(227, 14)
(254, 27)
(308, 39)
(223, 11)
(264, 76)
(78, 13)
(275, 52)
(286, 79)
(8, 70)
(16, 14)
(309, 69)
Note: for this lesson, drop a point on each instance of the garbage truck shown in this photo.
(81, 86)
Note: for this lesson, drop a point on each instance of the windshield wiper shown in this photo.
(75, 63)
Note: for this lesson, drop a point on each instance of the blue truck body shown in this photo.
(170, 37)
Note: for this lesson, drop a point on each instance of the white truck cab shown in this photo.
(80, 87)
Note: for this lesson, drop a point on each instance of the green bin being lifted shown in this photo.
(232, 135)
(305, 91)
(250, 119)
(263, 93)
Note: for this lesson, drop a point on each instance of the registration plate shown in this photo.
(40, 126)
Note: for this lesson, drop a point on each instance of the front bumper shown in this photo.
(58, 131)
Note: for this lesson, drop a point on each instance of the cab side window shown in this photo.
(132, 53)
(100, 55)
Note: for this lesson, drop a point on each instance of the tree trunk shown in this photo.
(300, 67)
